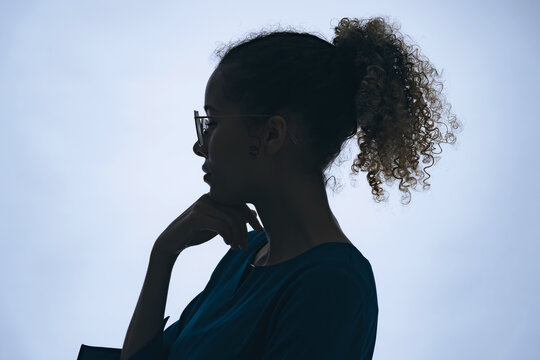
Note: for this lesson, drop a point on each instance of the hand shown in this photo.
(205, 219)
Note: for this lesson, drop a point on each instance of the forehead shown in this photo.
(213, 84)
(214, 93)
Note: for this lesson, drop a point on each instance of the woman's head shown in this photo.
(367, 83)
(241, 162)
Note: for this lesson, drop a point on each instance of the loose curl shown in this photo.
(367, 83)
(399, 104)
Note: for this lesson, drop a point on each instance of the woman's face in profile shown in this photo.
(226, 146)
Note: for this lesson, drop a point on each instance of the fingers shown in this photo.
(251, 218)
(223, 228)
(228, 222)
(237, 215)
(254, 221)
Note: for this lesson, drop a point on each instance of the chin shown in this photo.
(225, 198)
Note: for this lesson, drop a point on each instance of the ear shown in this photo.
(276, 134)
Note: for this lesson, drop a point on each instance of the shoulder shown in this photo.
(329, 283)
(325, 294)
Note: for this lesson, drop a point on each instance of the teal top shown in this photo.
(321, 304)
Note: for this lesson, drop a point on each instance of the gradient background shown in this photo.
(96, 136)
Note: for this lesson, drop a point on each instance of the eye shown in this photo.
(208, 124)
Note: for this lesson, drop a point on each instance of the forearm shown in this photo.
(147, 319)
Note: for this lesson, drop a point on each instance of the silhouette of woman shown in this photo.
(280, 105)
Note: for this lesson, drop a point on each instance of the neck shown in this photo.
(296, 217)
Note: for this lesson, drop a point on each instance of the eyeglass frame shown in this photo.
(199, 124)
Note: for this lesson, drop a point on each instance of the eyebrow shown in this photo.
(209, 107)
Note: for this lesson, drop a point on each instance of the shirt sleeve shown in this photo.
(157, 348)
(325, 314)
(87, 352)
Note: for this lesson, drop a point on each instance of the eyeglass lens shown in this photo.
(202, 126)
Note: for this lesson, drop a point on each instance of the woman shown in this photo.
(280, 106)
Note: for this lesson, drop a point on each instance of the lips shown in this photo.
(205, 169)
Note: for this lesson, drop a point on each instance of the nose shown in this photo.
(198, 149)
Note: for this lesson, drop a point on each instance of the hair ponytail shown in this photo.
(398, 107)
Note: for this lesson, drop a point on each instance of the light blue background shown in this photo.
(96, 136)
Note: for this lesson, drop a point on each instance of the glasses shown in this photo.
(202, 126)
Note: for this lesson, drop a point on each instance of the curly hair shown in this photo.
(367, 82)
